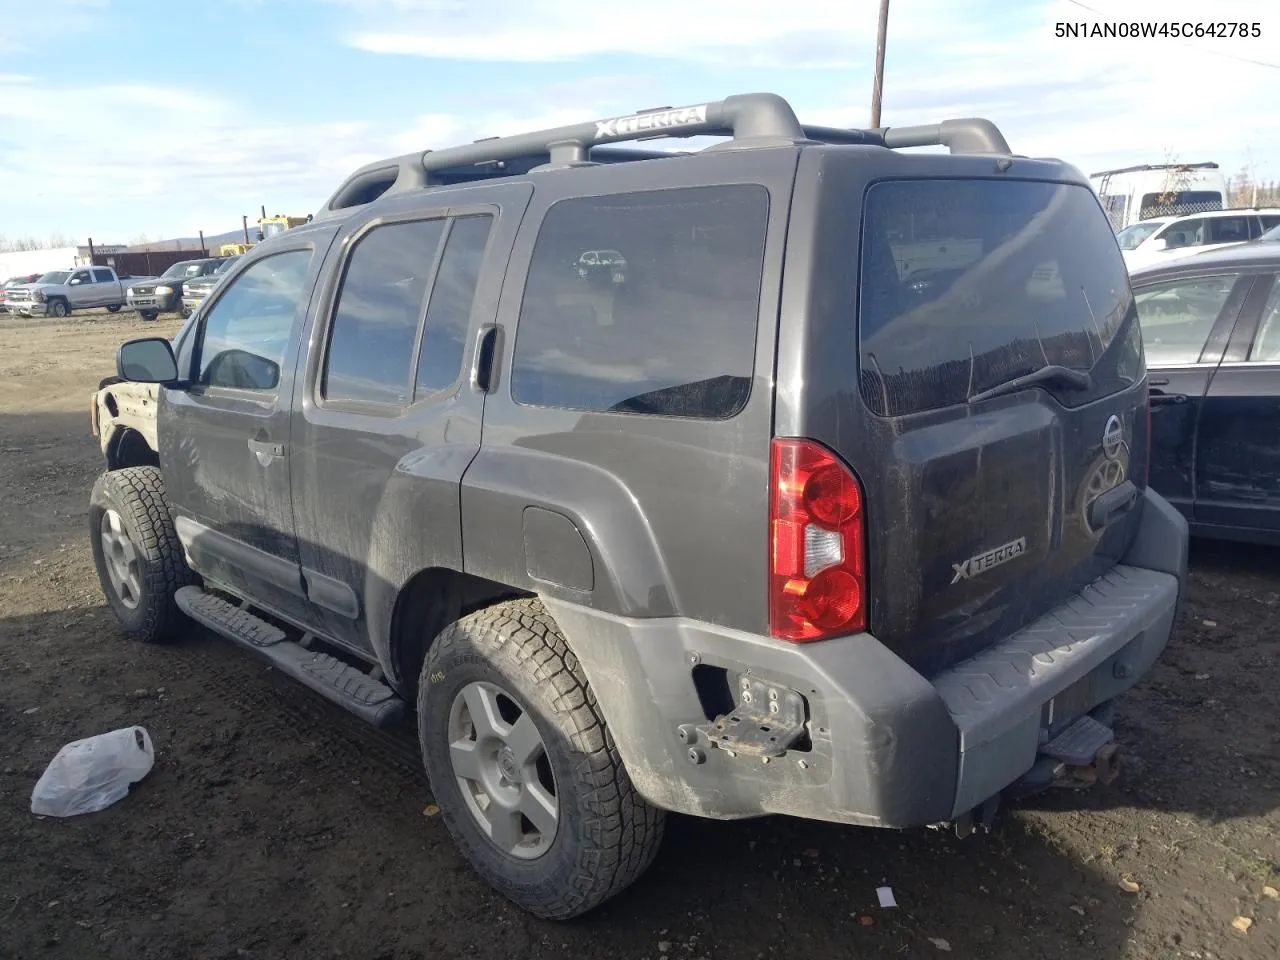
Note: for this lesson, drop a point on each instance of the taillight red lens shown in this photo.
(817, 569)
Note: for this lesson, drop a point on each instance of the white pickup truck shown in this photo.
(59, 292)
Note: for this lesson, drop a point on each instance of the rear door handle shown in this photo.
(266, 451)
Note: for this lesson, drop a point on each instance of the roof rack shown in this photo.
(749, 120)
(1143, 167)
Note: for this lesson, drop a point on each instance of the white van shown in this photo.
(1133, 194)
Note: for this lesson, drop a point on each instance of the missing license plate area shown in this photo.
(1069, 705)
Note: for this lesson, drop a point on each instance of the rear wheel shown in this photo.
(524, 769)
(137, 553)
(113, 308)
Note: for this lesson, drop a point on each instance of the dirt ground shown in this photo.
(275, 826)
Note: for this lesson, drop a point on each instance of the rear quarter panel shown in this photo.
(670, 514)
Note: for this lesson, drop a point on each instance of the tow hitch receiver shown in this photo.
(1087, 754)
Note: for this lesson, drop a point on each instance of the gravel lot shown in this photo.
(275, 826)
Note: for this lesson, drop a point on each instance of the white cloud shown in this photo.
(221, 166)
(1091, 101)
(25, 29)
(814, 33)
(1085, 99)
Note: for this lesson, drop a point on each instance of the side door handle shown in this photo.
(1160, 398)
(266, 451)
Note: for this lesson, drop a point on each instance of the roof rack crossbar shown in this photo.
(1144, 167)
(964, 135)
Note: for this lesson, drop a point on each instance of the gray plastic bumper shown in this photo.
(887, 746)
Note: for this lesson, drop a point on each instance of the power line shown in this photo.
(1193, 46)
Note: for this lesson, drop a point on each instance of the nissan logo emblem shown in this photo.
(1112, 437)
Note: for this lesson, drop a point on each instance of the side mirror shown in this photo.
(148, 360)
(75, 281)
(1160, 243)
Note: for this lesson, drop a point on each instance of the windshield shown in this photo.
(187, 268)
(55, 276)
(1131, 236)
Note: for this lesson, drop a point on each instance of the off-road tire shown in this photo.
(149, 315)
(607, 834)
(113, 308)
(59, 308)
(137, 495)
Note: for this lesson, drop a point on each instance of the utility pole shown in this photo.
(878, 89)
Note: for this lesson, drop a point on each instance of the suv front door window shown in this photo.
(224, 446)
(1184, 233)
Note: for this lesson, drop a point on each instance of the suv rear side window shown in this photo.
(644, 303)
(375, 321)
(966, 284)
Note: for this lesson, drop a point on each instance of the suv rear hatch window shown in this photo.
(997, 338)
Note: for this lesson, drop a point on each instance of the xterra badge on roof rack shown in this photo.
(658, 120)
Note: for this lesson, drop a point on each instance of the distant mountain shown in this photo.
(211, 241)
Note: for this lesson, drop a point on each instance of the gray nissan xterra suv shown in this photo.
(834, 505)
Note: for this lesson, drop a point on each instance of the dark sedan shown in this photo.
(1211, 325)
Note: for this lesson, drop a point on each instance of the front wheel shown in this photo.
(527, 777)
(59, 308)
(137, 553)
(149, 315)
(113, 308)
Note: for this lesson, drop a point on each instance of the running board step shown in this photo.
(339, 682)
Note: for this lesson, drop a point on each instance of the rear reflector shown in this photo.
(817, 562)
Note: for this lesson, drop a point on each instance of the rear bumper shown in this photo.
(885, 746)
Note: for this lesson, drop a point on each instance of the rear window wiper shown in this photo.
(1076, 379)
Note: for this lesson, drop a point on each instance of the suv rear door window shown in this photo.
(377, 315)
(449, 312)
(1229, 229)
(644, 303)
(966, 284)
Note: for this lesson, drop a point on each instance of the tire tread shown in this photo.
(139, 492)
(623, 831)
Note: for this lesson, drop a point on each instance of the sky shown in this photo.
(128, 118)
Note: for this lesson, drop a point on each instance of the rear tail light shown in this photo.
(817, 559)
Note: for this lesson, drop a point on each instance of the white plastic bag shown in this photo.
(91, 774)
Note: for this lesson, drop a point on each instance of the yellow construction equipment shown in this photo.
(271, 226)
(234, 249)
